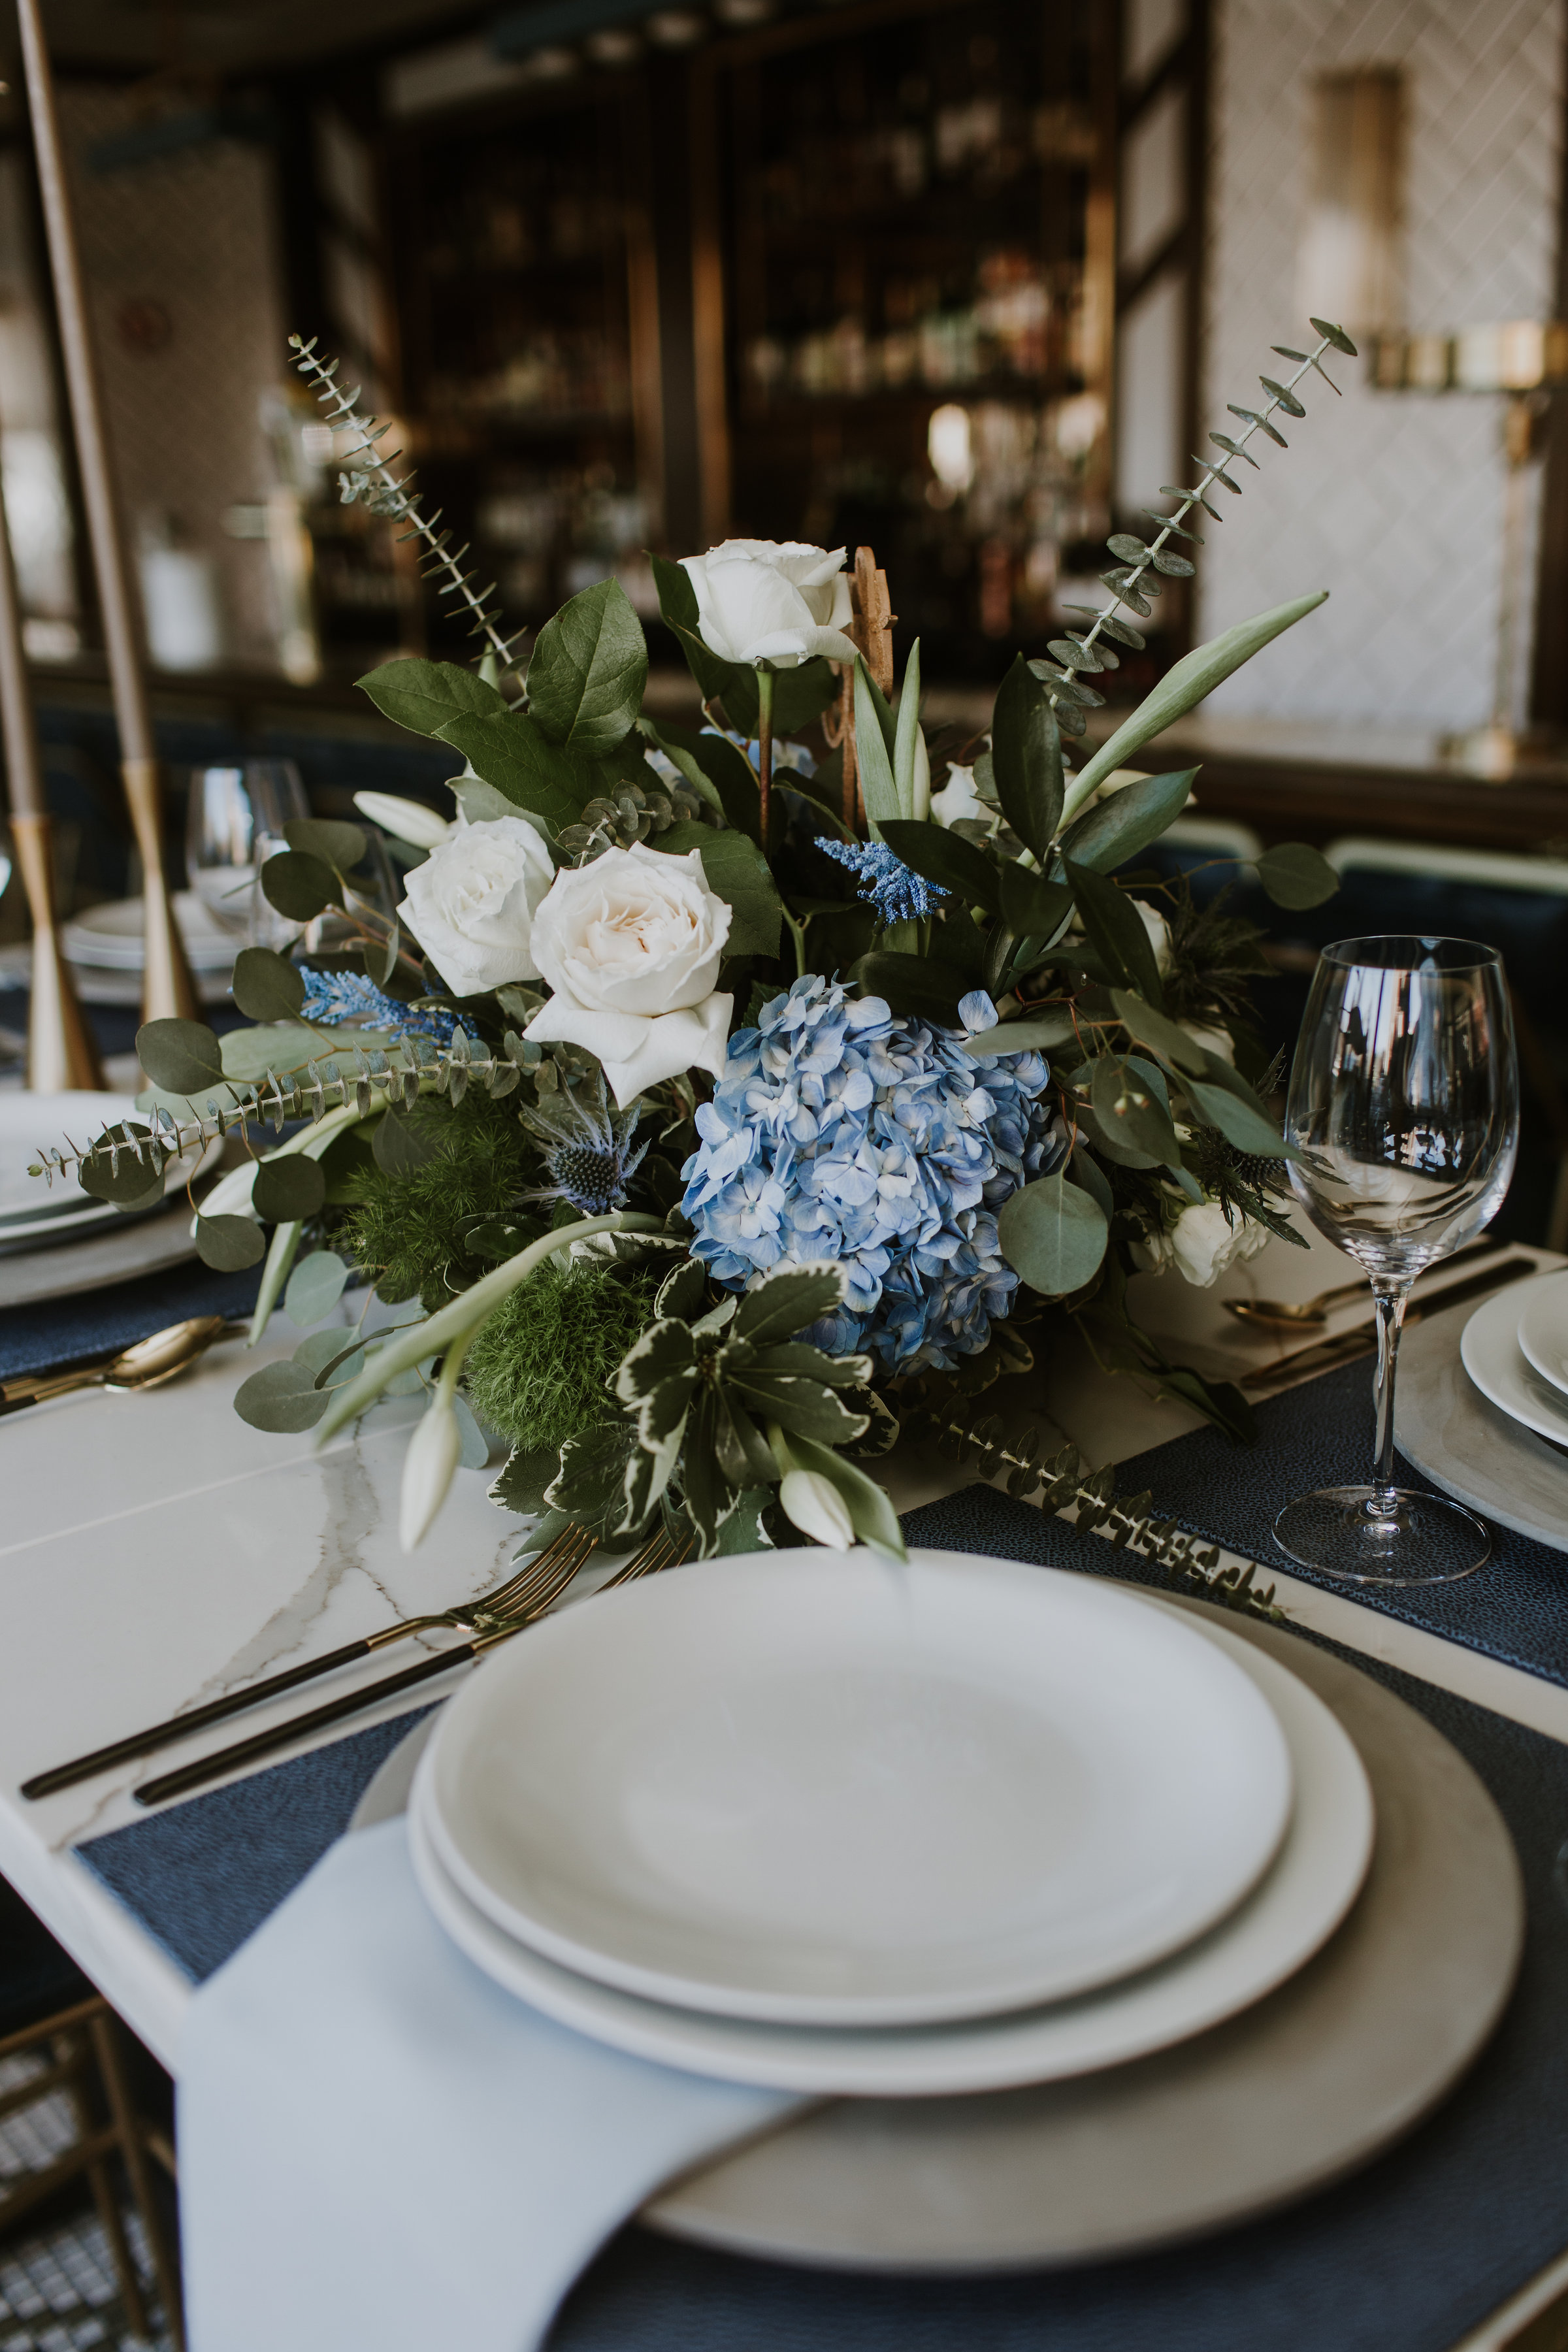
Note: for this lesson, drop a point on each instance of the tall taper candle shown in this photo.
(62, 1052)
(166, 984)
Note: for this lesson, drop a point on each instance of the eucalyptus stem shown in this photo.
(765, 745)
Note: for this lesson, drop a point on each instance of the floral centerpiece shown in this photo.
(714, 1110)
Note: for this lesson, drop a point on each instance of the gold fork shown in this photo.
(540, 1582)
(661, 1550)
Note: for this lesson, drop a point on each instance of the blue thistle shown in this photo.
(586, 1148)
(332, 998)
(839, 1131)
(897, 894)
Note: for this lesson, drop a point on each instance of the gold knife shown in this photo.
(1324, 1355)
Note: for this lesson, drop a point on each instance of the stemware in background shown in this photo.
(236, 817)
(1404, 1107)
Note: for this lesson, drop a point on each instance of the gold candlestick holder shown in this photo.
(167, 987)
(62, 1052)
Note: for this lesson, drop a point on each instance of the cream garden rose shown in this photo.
(758, 601)
(630, 945)
(1202, 1243)
(472, 904)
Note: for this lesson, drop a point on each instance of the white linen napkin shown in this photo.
(380, 2146)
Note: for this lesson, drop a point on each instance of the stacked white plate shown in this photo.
(37, 1215)
(109, 938)
(808, 1820)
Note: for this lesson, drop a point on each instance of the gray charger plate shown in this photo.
(1303, 2088)
(113, 1253)
(1469, 1447)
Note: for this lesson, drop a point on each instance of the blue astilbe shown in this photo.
(897, 894)
(839, 1131)
(334, 997)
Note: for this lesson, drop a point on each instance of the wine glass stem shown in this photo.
(1389, 1298)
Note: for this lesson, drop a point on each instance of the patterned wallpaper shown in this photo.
(178, 257)
(1392, 501)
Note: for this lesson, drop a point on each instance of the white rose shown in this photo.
(471, 906)
(757, 601)
(958, 800)
(1218, 1042)
(630, 945)
(1202, 1244)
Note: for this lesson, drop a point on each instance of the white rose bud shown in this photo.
(757, 601)
(958, 800)
(471, 905)
(631, 945)
(813, 1505)
(409, 820)
(434, 1452)
(1202, 1244)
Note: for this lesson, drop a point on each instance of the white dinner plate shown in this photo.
(1543, 1330)
(31, 1122)
(1491, 1354)
(111, 935)
(1288, 1917)
(815, 1788)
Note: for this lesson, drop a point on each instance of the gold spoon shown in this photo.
(1292, 1313)
(146, 1364)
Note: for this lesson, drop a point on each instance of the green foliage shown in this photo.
(736, 871)
(410, 1230)
(540, 1369)
(585, 680)
(267, 986)
(422, 695)
(1053, 1235)
(183, 1057)
(1296, 876)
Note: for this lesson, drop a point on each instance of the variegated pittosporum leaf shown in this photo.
(701, 1394)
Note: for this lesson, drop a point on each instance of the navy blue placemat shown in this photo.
(100, 1322)
(1321, 1435)
(1404, 2257)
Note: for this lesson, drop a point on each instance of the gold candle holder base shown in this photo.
(62, 1052)
(167, 989)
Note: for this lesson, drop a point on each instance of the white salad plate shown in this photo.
(1543, 1330)
(1492, 1356)
(110, 936)
(1288, 1917)
(36, 1217)
(812, 1787)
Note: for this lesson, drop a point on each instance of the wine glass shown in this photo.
(235, 820)
(1404, 1107)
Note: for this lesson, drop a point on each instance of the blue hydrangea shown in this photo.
(839, 1131)
(333, 997)
(897, 894)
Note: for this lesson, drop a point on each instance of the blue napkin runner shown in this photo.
(1404, 2257)
(100, 1322)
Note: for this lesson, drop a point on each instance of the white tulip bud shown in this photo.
(434, 1452)
(813, 1505)
(408, 821)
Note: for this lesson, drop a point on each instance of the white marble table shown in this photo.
(155, 1552)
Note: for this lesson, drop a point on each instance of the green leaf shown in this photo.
(742, 1451)
(684, 1292)
(1085, 1171)
(1115, 928)
(527, 1472)
(474, 1446)
(1035, 1033)
(183, 1057)
(508, 749)
(227, 1244)
(946, 859)
(1026, 758)
(299, 885)
(322, 1353)
(1187, 682)
(874, 753)
(1296, 876)
(267, 986)
(399, 1145)
(800, 695)
(736, 871)
(724, 771)
(1053, 1235)
(807, 1408)
(424, 695)
(786, 1300)
(592, 1485)
(912, 985)
(815, 1363)
(315, 1288)
(289, 1190)
(907, 732)
(341, 847)
(1118, 828)
(680, 745)
(1127, 1105)
(871, 1513)
(662, 1353)
(125, 1178)
(1153, 1029)
(743, 1531)
(281, 1397)
(1245, 1124)
(1031, 906)
(589, 668)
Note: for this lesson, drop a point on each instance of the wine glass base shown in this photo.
(1423, 1540)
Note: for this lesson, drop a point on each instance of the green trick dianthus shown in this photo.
(540, 1369)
